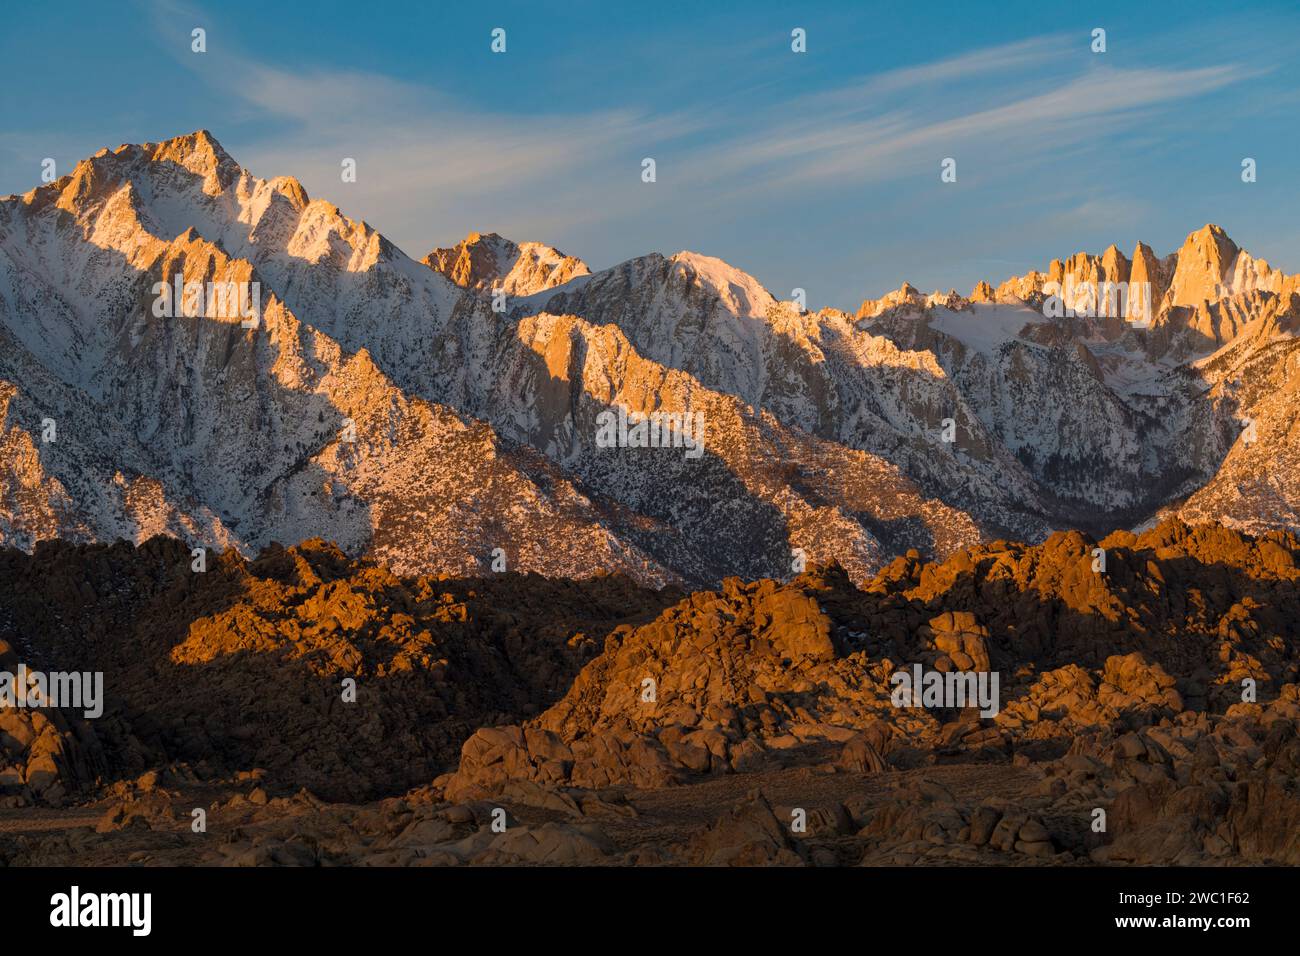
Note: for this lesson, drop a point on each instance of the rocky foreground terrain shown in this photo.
(1148, 712)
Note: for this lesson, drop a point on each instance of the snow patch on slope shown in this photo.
(985, 328)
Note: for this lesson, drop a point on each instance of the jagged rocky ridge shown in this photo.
(475, 428)
(1120, 691)
(488, 263)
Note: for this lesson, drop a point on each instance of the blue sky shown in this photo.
(816, 170)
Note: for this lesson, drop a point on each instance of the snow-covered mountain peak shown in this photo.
(737, 291)
(908, 300)
(483, 261)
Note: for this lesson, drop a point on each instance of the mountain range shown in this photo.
(441, 415)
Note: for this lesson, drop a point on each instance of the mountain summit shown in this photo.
(488, 261)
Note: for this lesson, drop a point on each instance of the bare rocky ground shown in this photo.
(1149, 713)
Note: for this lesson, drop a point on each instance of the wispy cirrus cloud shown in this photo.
(817, 149)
